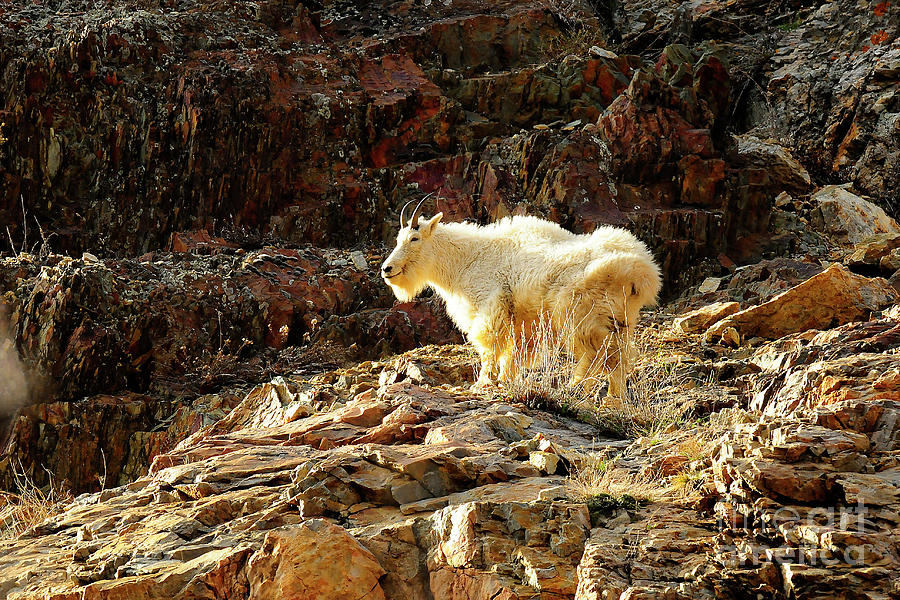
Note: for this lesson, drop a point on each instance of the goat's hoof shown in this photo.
(610, 401)
(482, 385)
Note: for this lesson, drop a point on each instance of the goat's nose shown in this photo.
(387, 268)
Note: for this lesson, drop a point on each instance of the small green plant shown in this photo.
(607, 504)
(791, 25)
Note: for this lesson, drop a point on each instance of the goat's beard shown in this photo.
(404, 288)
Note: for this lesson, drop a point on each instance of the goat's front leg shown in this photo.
(507, 363)
(489, 367)
(602, 347)
(620, 362)
(489, 334)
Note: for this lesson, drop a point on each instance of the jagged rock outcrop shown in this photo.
(847, 217)
(408, 480)
(822, 77)
(408, 486)
(312, 123)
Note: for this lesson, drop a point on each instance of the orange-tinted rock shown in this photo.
(760, 282)
(199, 242)
(703, 318)
(880, 251)
(833, 297)
(863, 377)
(312, 560)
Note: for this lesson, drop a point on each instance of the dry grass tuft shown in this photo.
(598, 479)
(652, 407)
(545, 366)
(578, 40)
(30, 506)
(686, 483)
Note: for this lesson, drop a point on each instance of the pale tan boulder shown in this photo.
(876, 489)
(703, 318)
(847, 218)
(316, 559)
(833, 297)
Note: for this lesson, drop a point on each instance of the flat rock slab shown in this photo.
(833, 297)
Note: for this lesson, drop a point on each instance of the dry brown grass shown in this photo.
(679, 483)
(544, 368)
(578, 41)
(600, 478)
(651, 407)
(685, 484)
(654, 404)
(605, 479)
(29, 506)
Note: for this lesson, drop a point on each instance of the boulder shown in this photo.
(701, 319)
(833, 297)
(847, 218)
(784, 170)
(312, 560)
(880, 252)
(762, 281)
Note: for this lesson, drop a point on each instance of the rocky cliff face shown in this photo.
(312, 122)
(193, 335)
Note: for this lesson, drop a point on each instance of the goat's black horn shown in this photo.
(403, 212)
(414, 219)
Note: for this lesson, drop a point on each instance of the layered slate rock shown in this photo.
(314, 124)
(240, 507)
(408, 485)
(89, 326)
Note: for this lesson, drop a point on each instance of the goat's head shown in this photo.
(407, 268)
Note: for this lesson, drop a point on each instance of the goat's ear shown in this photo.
(427, 228)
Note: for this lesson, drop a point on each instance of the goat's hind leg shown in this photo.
(601, 351)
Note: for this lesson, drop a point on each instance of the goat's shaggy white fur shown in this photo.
(504, 281)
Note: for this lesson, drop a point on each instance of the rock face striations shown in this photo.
(126, 123)
(196, 347)
(391, 480)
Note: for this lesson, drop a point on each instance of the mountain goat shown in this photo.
(503, 282)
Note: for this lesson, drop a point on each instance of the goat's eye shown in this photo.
(414, 239)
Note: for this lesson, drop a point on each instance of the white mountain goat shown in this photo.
(503, 282)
